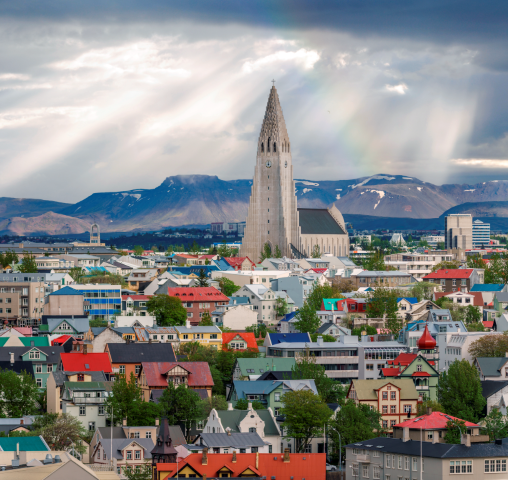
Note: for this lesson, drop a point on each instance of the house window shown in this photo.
(376, 472)
(393, 395)
(101, 409)
(385, 409)
(38, 381)
(385, 395)
(365, 471)
(38, 368)
(128, 455)
(277, 397)
(385, 423)
(393, 409)
(137, 455)
(185, 336)
(492, 466)
(213, 336)
(34, 355)
(82, 411)
(254, 450)
(49, 368)
(418, 368)
(415, 464)
(138, 369)
(407, 408)
(148, 435)
(81, 377)
(122, 369)
(388, 464)
(406, 463)
(91, 426)
(276, 411)
(392, 423)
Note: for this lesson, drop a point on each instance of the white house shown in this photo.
(134, 321)
(235, 317)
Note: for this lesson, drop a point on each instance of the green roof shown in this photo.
(26, 444)
(85, 385)
(43, 328)
(38, 341)
(366, 389)
(233, 418)
(3, 340)
(262, 365)
(329, 302)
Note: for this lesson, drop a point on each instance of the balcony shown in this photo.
(363, 458)
(422, 387)
(88, 400)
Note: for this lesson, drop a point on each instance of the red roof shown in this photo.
(61, 340)
(486, 324)
(249, 337)
(210, 257)
(317, 270)
(26, 331)
(77, 362)
(451, 273)
(199, 373)
(421, 374)
(477, 300)
(237, 261)
(404, 359)
(137, 297)
(436, 420)
(198, 294)
(311, 466)
(390, 372)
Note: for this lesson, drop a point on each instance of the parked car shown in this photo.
(331, 468)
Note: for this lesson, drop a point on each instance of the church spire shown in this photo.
(274, 136)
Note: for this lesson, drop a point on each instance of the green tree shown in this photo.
(96, 322)
(138, 472)
(421, 408)
(305, 415)
(62, 432)
(138, 250)
(422, 291)
(225, 251)
(278, 253)
(460, 391)
(446, 265)
(476, 327)
(320, 292)
(9, 258)
(453, 431)
(316, 252)
(218, 402)
(76, 273)
(495, 425)
(202, 279)
(168, 311)
(307, 319)
(266, 252)
(382, 303)
(206, 320)
(375, 262)
(368, 329)
(125, 399)
(441, 246)
(354, 423)
(306, 368)
(473, 314)
(281, 306)
(243, 404)
(325, 337)
(227, 286)
(19, 394)
(27, 264)
(495, 345)
(194, 248)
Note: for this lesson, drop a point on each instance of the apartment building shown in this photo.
(417, 265)
(456, 279)
(207, 336)
(459, 231)
(382, 278)
(248, 277)
(101, 301)
(481, 234)
(22, 301)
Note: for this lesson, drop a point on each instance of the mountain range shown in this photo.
(202, 199)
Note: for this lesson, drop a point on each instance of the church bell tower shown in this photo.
(272, 216)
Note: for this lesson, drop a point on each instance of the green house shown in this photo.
(268, 392)
(421, 371)
(38, 361)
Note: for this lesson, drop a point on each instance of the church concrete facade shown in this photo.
(273, 216)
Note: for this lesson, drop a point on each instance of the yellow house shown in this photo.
(393, 398)
(207, 336)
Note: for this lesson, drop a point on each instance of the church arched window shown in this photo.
(262, 147)
(268, 145)
(274, 146)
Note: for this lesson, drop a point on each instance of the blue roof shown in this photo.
(66, 291)
(222, 264)
(239, 301)
(411, 300)
(487, 287)
(95, 269)
(288, 316)
(195, 269)
(26, 444)
(288, 337)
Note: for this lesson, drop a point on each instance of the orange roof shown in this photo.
(249, 337)
(311, 466)
(86, 362)
(198, 294)
(436, 420)
(390, 372)
(237, 261)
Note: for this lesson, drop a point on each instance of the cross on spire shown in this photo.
(273, 81)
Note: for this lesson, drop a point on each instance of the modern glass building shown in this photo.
(481, 234)
(101, 302)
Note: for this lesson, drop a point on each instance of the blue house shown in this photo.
(275, 338)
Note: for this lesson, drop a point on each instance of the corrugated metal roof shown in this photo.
(199, 373)
(239, 440)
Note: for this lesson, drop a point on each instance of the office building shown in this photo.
(481, 234)
(459, 231)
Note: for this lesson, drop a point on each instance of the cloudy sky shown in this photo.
(106, 95)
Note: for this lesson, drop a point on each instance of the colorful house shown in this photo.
(85, 362)
(207, 336)
(239, 341)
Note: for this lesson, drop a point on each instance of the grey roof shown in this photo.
(318, 221)
(347, 262)
(61, 376)
(491, 366)
(502, 296)
(434, 450)
(490, 387)
(81, 325)
(121, 443)
(323, 328)
(141, 352)
(383, 273)
(232, 419)
(53, 354)
(198, 330)
(239, 440)
(105, 432)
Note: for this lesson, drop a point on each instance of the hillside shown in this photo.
(202, 199)
(49, 223)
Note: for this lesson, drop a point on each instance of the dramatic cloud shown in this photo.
(97, 98)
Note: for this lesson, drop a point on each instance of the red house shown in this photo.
(85, 362)
(241, 263)
(198, 300)
(239, 341)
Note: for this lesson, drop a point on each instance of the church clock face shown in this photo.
(268, 164)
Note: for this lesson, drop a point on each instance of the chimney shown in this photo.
(204, 460)
(156, 422)
(234, 457)
(429, 410)
(187, 323)
(230, 406)
(85, 349)
(465, 439)
(405, 434)
(124, 422)
(320, 340)
(249, 406)
(435, 437)
(12, 356)
(228, 431)
(286, 455)
(149, 340)
(257, 460)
